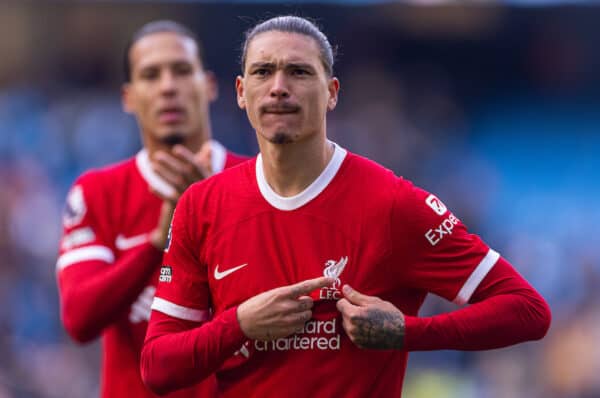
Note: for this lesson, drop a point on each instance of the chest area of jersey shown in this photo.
(132, 218)
(273, 251)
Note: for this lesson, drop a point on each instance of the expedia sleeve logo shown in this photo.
(166, 274)
(436, 205)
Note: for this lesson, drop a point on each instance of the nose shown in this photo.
(167, 83)
(279, 87)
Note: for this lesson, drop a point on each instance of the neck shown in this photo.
(290, 168)
(193, 142)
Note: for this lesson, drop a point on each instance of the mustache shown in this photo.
(280, 107)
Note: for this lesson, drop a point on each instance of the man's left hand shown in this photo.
(371, 322)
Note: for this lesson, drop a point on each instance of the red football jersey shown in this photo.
(107, 221)
(233, 237)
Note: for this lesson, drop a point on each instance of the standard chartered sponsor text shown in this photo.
(315, 335)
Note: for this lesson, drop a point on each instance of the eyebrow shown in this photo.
(299, 65)
(262, 65)
(289, 65)
(168, 64)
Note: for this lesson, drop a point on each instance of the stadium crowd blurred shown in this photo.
(495, 109)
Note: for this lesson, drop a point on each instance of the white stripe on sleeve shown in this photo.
(101, 253)
(179, 311)
(464, 295)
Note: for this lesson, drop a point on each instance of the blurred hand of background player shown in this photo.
(279, 312)
(160, 234)
(371, 322)
(179, 167)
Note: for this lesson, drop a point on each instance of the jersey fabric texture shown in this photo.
(233, 237)
(107, 270)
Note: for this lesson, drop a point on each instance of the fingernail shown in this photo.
(347, 289)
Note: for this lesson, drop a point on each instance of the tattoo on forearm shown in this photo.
(379, 330)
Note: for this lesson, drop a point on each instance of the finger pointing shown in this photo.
(306, 287)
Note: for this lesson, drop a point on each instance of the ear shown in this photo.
(212, 86)
(127, 98)
(239, 88)
(333, 87)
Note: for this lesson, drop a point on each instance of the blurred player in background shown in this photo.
(316, 276)
(116, 219)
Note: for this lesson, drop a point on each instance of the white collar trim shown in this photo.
(217, 159)
(142, 160)
(311, 192)
(218, 156)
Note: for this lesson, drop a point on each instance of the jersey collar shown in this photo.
(218, 156)
(142, 160)
(311, 192)
(156, 182)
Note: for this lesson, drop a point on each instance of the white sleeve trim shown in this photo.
(101, 253)
(179, 311)
(465, 293)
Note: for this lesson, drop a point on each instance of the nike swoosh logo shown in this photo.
(123, 243)
(221, 275)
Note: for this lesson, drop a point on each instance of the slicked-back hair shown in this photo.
(293, 24)
(159, 26)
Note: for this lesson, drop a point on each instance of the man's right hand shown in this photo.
(279, 312)
(158, 237)
(179, 168)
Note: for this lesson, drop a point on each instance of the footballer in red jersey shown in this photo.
(308, 265)
(116, 219)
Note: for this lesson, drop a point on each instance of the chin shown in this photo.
(173, 138)
(281, 138)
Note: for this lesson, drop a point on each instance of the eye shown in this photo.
(261, 72)
(149, 74)
(182, 69)
(300, 72)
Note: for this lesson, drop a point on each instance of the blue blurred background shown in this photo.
(495, 107)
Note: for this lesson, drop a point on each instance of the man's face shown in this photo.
(169, 91)
(285, 89)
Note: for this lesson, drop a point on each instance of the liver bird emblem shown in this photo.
(333, 269)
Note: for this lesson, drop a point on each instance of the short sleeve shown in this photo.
(182, 290)
(433, 251)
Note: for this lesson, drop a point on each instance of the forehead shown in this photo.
(283, 47)
(162, 47)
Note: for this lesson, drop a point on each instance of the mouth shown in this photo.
(171, 114)
(280, 109)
